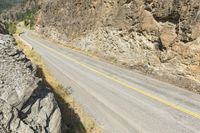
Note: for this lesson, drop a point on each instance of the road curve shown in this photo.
(121, 101)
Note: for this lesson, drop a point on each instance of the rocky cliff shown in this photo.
(26, 104)
(158, 37)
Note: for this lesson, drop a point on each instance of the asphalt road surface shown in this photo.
(120, 100)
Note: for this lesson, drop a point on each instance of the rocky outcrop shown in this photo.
(26, 104)
(158, 37)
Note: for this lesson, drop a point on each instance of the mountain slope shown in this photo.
(160, 38)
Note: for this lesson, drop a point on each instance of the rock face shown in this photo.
(158, 37)
(26, 104)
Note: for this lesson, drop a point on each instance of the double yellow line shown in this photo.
(158, 99)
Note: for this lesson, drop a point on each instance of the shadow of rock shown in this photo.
(71, 122)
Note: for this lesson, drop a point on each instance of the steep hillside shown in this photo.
(157, 37)
(154, 36)
(19, 11)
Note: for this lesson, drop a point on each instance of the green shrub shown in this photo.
(28, 17)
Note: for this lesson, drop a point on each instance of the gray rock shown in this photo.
(26, 104)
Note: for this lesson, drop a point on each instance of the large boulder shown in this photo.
(168, 35)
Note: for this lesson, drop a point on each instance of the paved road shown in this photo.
(122, 101)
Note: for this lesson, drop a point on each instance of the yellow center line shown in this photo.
(165, 102)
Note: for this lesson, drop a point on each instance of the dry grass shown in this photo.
(74, 119)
